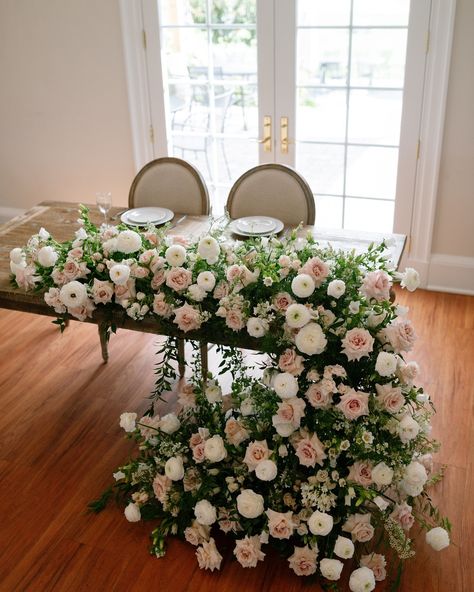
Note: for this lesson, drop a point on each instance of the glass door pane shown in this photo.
(209, 62)
(350, 70)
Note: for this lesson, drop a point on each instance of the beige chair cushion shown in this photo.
(170, 183)
(272, 190)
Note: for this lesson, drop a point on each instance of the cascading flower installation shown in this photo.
(324, 452)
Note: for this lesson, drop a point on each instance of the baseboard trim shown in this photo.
(451, 273)
(9, 213)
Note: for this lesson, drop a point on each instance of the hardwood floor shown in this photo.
(60, 442)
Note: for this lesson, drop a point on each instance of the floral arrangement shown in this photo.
(324, 450)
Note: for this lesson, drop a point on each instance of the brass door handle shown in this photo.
(284, 140)
(266, 141)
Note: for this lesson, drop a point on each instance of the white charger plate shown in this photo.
(256, 226)
(147, 215)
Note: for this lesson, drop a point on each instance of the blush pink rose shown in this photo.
(318, 396)
(282, 301)
(357, 343)
(303, 561)
(178, 278)
(360, 527)
(161, 486)
(137, 271)
(161, 307)
(255, 453)
(74, 270)
(102, 291)
(125, 292)
(390, 398)
(198, 452)
(291, 410)
(353, 404)
(361, 472)
(377, 563)
(187, 318)
(84, 311)
(208, 556)
(376, 284)
(76, 253)
(235, 432)
(248, 551)
(317, 269)
(280, 524)
(401, 336)
(310, 451)
(407, 373)
(234, 319)
(402, 513)
(291, 362)
(158, 279)
(221, 290)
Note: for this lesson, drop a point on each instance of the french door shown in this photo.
(333, 89)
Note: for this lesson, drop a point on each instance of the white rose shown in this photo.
(354, 307)
(285, 385)
(249, 503)
(408, 429)
(127, 421)
(438, 538)
(169, 423)
(336, 288)
(382, 474)
(17, 256)
(375, 319)
(266, 470)
(303, 285)
(209, 249)
(132, 513)
(119, 274)
(128, 241)
(214, 449)
(386, 364)
(174, 468)
(119, 475)
(331, 568)
(246, 407)
(344, 547)
(47, 256)
(196, 293)
(311, 339)
(362, 580)
(44, 234)
(175, 255)
(297, 316)
(213, 392)
(414, 478)
(206, 280)
(320, 523)
(73, 294)
(410, 279)
(257, 327)
(205, 513)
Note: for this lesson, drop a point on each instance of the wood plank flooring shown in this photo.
(60, 442)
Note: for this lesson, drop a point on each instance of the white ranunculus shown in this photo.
(119, 274)
(362, 580)
(414, 478)
(410, 279)
(132, 513)
(17, 256)
(408, 429)
(128, 241)
(175, 255)
(73, 294)
(174, 468)
(127, 421)
(303, 285)
(257, 327)
(382, 474)
(214, 449)
(320, 523)
(438, 538)
(311, 340)
(285, 385)
(249, 503)
(206, 280)
(336, 288)
(205, 513)
(209, 249)
(386, 364)
(297, 316)
(331, 569)
(344, 547)
(266, 470)
(169, 423)
(47, 256)
(196, 293)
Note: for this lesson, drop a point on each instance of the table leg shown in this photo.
(204, 359)
(181, 358)
(102, 327)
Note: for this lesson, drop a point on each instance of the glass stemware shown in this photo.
(104, 203)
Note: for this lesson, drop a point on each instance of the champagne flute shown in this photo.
(104, 202)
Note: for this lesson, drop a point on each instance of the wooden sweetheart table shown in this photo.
(60, 219)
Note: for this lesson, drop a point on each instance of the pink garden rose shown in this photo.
(407, 373)
(102, 291)
(317, 269)
(51, 297)
(280, 524)
(248, 551)
(353, 404)
(82, 312)
(161, 486)
(400, 335)
(178, 278)
(234, 319)
(235, 432)
(74, 270)
(310, 451)
(318, 396)
(291, 362)
(402, 513)
(187, 318)
(360, 527)
(187, 396)
(357, 343)
(303, 561)
(282, 301)
(221, 290)
(390, 398)
(158, 279)
(208, 556)
(197, 533)
(161, 307)
(376, 284)
(256, 452)
(126, 291)
(376, 562)
(361, 472)
(58, 277)
(291, 411)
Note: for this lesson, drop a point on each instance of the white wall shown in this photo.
(65, 131)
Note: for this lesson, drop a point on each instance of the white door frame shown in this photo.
(141, 40)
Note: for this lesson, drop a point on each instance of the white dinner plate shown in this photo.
(143, 216)
(256, 226)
